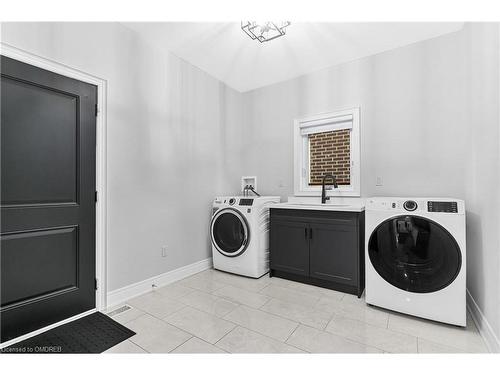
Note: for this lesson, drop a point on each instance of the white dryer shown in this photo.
(239, 231)
(415, 257)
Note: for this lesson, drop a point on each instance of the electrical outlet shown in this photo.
(164, 251)
(379, 181)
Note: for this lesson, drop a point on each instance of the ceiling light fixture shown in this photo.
(264, 31)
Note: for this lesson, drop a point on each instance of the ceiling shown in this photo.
(225, 52)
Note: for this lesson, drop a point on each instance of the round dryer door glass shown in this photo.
(414, 254)
(229, 232)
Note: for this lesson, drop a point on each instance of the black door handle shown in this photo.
(310, 233)
(305, 231)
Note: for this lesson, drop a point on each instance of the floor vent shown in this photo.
(119, 310)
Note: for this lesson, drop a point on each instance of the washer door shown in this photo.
(230, 232)
(414, 254)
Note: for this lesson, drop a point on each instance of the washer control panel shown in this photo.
(416, 205)
(433, 206)
(236, 201)
(246, 201)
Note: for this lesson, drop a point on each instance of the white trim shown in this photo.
(120, 295)
(301, 158)
(484, 327)
(498, 174)
(101, 153)
(45, 329)
(326, 124)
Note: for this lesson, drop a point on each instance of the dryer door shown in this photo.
(414, 254)
(229, 232)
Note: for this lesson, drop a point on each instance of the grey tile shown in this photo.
(327, 304)
(204, 281)
(125, 347)
(242, 340)
(247, 283)
(205, 326)
(381, 338)
(306, 288)
(262, 322)
(355, 309)
(316, 341)
(125, 316)
(299, 313)
(196, 345)
(155, 304)
(209, 303)
(467, 339)
(290, 295)
(425, 346)
(174, 291)
(242, 296)
(351, 298)
(156, 336)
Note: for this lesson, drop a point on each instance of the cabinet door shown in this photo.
(289, 250)
(333, 253)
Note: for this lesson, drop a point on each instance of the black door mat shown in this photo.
(93, 333)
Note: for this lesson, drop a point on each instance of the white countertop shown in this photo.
(314, 203)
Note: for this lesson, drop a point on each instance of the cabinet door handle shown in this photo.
(310, 233)
(305, 232)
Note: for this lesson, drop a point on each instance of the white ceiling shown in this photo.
(225, 52)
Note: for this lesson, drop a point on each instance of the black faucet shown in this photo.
(324, 198)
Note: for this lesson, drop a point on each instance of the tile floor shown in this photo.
(216, 312)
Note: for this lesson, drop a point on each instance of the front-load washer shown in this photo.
(239, 231)
(415, 257)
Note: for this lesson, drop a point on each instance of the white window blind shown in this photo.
(326, 125)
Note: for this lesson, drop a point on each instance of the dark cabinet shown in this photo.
(322, 248)
(292, 255)
(333, 253)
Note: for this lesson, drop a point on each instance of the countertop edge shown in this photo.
(292, 206)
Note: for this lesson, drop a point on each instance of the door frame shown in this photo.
(101, 170)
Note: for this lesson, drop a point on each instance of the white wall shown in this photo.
(482, 179)
(412, 119)
(167, 124)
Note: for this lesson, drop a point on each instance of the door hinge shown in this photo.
(95, 198)
(96, 110)
(96, 284)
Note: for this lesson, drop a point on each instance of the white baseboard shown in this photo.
(121, 295)
(487, 333)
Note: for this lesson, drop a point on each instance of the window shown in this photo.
(327, 144)
(330, 152)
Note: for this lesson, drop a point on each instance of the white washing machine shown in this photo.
(239, 231)
(415, 257)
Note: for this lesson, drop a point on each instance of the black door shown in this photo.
(47, 197)
(414, 254)
(289, 241)
(230, 232)
(333, 253)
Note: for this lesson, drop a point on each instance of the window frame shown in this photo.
(301, 155)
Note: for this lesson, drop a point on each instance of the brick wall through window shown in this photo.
(329, 152)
